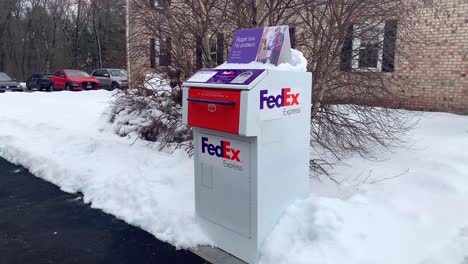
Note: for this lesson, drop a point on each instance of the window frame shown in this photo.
(115, 70)
(357, 40)
(160, 55)
(164, 50)
(215, 52)
(99, 73)
(213, 39)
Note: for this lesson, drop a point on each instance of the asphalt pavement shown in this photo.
(39, 224)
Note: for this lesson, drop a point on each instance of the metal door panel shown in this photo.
(224, 190)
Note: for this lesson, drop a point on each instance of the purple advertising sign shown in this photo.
(264, 45)
(245, 45)
(236, 77)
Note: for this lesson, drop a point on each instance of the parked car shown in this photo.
(73, 80)
(39, 81)
(111, 79)
(8, 84)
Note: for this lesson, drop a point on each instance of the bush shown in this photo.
(152, 112)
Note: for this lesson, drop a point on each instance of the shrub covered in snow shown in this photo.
(152, 112)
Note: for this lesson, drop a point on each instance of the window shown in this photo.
(153, 53)
(165, 52)
(370, 47)
(160, 52)
(220, 48)
(213, 49)
(4, 77)
(77, 74)
(116, 73)
(367, 48)
(100, 73)
(215, 52)
(124, 73)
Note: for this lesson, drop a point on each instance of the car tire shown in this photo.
(114, 86)
(67, 87)
(51, 88)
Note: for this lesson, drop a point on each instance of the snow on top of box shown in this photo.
(299, 64)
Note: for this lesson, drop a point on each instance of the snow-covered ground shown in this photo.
(419, 217)
(63, 138)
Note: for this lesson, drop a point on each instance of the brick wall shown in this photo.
(138, 43)
(439, 74)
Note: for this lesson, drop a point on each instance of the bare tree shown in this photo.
(333, 36)
(75, 19)
(46, 35)
(193, 27)
(352, 47)
(50, 30)
(5, 17)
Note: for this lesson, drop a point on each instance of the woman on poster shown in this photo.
(276, 46)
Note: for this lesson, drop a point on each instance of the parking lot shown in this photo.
(41, 224)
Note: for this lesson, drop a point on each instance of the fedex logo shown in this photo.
(286, 98)
(228, 73)
(223, 150)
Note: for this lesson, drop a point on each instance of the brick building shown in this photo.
(438, 74)
(441, 69)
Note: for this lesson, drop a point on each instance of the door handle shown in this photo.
(206, 101)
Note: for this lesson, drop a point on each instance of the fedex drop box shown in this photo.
(251, 134)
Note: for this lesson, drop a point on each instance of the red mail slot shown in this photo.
(214, 109)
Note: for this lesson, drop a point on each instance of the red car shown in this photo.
(73, 80)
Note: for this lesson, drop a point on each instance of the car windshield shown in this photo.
(124, 73)
(4, 77)
(46, 76)
(77, 74)
(116, 72)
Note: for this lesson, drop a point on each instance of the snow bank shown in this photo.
(62, 137)
(299, 64)
(419, 217)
